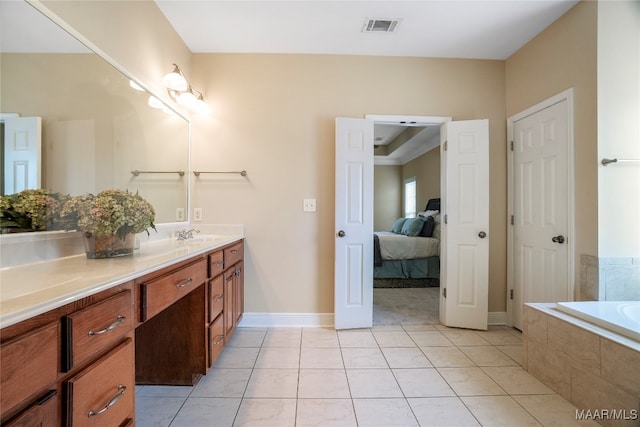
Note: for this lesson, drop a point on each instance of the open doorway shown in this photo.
(406, 176)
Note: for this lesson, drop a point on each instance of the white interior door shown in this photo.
(22, 154)
(540, 209)
(354, 224)
(464, 247)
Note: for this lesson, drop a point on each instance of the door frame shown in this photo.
(396, 119)
(567, 96)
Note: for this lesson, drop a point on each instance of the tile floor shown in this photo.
(407, 370)
(411, 375)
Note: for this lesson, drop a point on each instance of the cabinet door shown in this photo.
(239, 293)
(229, 303)
(28, 363)
(43, 413)
(103, 393)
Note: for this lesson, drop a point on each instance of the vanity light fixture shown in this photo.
(181, 91)
(136, 86)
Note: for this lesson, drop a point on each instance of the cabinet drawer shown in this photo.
(103, 393)
(216, 339)
(43, 413)
(28, 363)
(216, 297)
(216, 263)
(160, 293)
(233, 254)
(87, 331)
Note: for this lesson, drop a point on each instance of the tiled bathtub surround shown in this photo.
(593, 368)
(609, 279)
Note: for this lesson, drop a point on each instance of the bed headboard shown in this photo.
(433, 205)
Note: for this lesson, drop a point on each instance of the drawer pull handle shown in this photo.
(218, 340)
(113, 401)
(235, 251)
(219, 297)
(184, 283)
(219, 264)
(111, 327)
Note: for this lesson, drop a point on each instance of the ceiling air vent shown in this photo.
(381, 25)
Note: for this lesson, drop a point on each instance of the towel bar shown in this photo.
(242, 173)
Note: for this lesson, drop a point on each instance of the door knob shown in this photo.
(558, 239)
(341, 233)
(482, 234)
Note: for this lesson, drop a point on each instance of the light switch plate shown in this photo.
(309, 205)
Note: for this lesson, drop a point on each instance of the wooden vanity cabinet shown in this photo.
(77, 365)
(225, 296)
(171, 342)
(40, 357)
(234, 287)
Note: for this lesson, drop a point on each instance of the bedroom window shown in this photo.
(410, 197)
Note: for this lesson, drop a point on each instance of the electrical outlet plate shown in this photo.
(197, 214)
(179, 214)
(309, 205)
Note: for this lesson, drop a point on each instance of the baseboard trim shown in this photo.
(497, 318)
(320, 320)
(287, 320)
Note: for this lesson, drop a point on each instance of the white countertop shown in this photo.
(32, 289)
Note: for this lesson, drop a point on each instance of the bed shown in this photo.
(411, 250)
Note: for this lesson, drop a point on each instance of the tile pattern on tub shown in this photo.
(413, 375)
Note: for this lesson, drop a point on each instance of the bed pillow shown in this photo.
(397, 226)
(428, 213)
(413, 226)
(427, 228)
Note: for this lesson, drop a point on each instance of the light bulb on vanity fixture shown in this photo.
(181, 91)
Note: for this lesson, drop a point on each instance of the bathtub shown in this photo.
(622, 317)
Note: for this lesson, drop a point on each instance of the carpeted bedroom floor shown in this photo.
(405, 306)
(406, 283)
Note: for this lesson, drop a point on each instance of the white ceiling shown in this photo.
(479, 29)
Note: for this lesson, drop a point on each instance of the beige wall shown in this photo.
(561, 57)
(426, 169)
(387, 196)
(274, 116)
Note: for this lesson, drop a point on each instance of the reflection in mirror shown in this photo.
(95, 128)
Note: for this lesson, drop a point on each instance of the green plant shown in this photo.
(110, 212)
(32, 210)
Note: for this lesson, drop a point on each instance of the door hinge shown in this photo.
(511, 294)
(444, 292)
(513, 220)
(446, 219)
(445, 145)
(511, 145)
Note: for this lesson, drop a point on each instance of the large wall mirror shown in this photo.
(96, 129)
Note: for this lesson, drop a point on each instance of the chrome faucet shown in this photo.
(186, 234)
